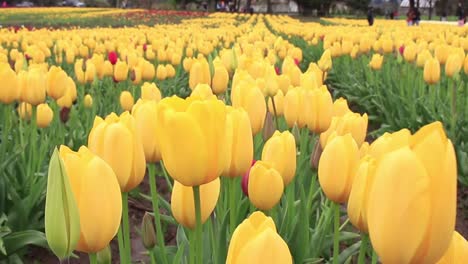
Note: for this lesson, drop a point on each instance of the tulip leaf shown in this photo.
(62, 224)
(349, 252)
(222, 249)
(180, 253)
(17, 240)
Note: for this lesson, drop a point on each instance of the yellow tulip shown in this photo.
(265, 185)
(44, 115)
(145, 114)
(336, 181)
(387, 45)
(32, 86)
(96, 193)
(389, 142)
(453, 65)
(465, 65)
(220, 79)
(325, 62)
(196, 75)
(116, 141)
(376, 62)
(202, 91)
(340, 107)
(10, 87)
(359, 195)
(283, 83)
(441, 52)
(56, 82)
(292, 113)
(126, 100)
(424, 175)
(255, 240)
(120, 71)
(432, 71)
(457, 251)
(187, 63)
(148, 71)
(108, 69)
(423, 57)
(240, 142)
(175, 59)
(149, 91)
(279, 104)
(317, 107)
(25, 111)
(280, 151)
(352, 123)
(170, 71)
(88, 101)
(199, 126)
(136, 75)
(161, 72)
(183, 205)
(410, 53)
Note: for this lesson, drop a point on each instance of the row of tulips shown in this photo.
(244, 100)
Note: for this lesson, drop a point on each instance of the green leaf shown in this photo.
(17, 240)
(222, 240)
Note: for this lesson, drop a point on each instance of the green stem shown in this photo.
(232, 204)
(166, 176)
(374, 257)
(126, 228)
(152, 256)
(363, 248)
(453, 96)
(274, 110)
(336, 235)
(122, 251)
(198, 228)
(157, 217)
(92, 258)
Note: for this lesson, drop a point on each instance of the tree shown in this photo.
(360, 5)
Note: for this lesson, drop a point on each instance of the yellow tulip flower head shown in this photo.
(263, 174)
(453, 65)
(10, 90)
(353, 123)
(325, 62)
(149, 91)
(145, 114)
(457, 251)
(376, 62)
(280, 151)
(432, 71)
(126, 100)
(44, 115)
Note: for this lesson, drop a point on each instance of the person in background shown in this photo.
(410, 17)
(417, 17)
(444, 16)
(370, 16)
(460, 14)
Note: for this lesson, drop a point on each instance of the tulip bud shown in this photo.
(410, 53)
(316, 154)
(183, 205)
(88, 101)
(62, 220)
(325, 62)
(340, 107)
(32, 86)
(10, 86)
(457, 251)
(453, 65)
(376, 62)
(255, 241)
(245, 180)
(120, 71)
(268, 127)
(149, 91)
(161, 72)
(126, 100)
(170, 71)
(336, 181)
(220, 80)
(432, 71)
(44, 115)
(280, 151)
(263, 174)
(112, 57)
(148, 234)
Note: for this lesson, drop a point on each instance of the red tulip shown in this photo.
(402, 49)
(112, 57)
(245, 180)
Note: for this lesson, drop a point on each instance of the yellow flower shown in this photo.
(126, 100)
(199, 126)
(255, 241)
(56, 82)
(170, 71)
(248, 96)
(432, 71)
(265, 185)
(120, 71)
(10, 87)
(44, 115)
(88, 101)
(32, 86)
(423, 57)
(116, 141)
(376, 62)
(161, 72)
(336, 181)
(145, 114)
(340, 107)
(202, 91)
(149, 91)
(457, 251)
(424, 175)
(352, 123)
(453, 65)
(183, 205)
(220, 79)
(325, 62)
(280, 151)
(96, 192)
(410, 53)
(279, 104)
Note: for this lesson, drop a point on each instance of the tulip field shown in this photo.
(134, 136)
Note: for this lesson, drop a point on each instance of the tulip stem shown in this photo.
(198, 228)
(126, 227)
(157, 217)
(454, 107)
(121, 245)
(363, 248)
(374, 257)
(92, 258)
(232, 204)
(153, 258)
(274, 110)
(336, 235)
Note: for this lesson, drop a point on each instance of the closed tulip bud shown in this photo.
(387, 45)
(56, 82)
(203, 126)
(90, 71)
(195, 75)
(148, 71)
(62, 220)
(352, 123)
(424, 174)
(171, 72)
(148, 235)
(441, 52)
(88, 101)
(280, 151)
(283, 83)
(340, 107)
(220, 80)
(346, 47)
(70, 56)
(183, 205)
(410, 53)
(10, 87)
(136, 75)
(251, 99)
(202, 91)
(80, 69)
(359, 196)
(116, 141)
(44, 115)
(325, 62)
(145, 114)
(265, 185)
(120, 71)
(149, 91)
(279, 104)
(32, 86)
(175, 60)
(457, 251)
(291, 108)
(423, 57)
(317, 108)
(453, 65)
(161, 72)
(126, 100)
(255, 240)
(187, 63)
(101, 197)
(376, 62)
(112, 57)
(432, 71)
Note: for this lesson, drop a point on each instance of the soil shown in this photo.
(137, 208)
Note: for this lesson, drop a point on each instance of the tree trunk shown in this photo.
(417, 4)
(430, 9)
(269, 7)
(247, 5)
